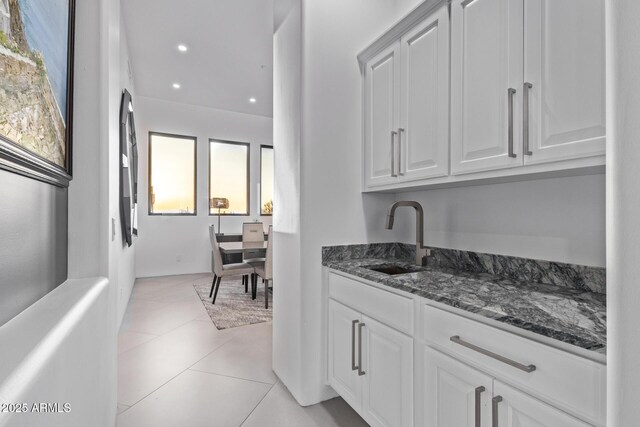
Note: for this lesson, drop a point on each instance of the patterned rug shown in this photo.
(233, 307)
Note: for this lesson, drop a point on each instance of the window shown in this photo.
(266, 180)
(172, 174)
(229, 176)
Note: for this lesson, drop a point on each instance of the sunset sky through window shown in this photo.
(172, 174)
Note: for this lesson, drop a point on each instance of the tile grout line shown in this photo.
(172, 378)
(139, 332)
(164, 333)
(175, 376)
(231, 376)
(233, 336)
(258, 404)
(122, 404)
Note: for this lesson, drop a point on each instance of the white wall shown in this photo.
(90, 204)
(403, 7)
(561, 219)
(57, 354)
(123, 257)
(623, 212)
(287, 339)
(332, 209)
(180, 245)
(94, 192)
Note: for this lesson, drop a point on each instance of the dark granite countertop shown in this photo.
(573, 316)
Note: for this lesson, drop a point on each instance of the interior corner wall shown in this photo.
(559, 219)
(332, 208)
(100, 48)
(123, 257)
(623, 211)
(169, 245)
(90, 192)
(287, 330)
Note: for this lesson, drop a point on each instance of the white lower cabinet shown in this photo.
(512, 408)
(387, 395)
(342, 353)
(371, 367)
(455, 395)
(450, 370)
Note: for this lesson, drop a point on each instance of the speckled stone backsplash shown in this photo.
(397, 251)
(570, 276)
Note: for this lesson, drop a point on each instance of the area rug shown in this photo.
(233, 307)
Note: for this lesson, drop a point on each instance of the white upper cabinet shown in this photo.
(406, 106)
(486, 77)
(423, 137)
(528, 82)
(564, 73)
(382, 111)
(471, 90)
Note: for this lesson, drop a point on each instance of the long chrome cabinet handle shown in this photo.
(393, 154)
(494, 410)
(510, 94)
(353, 345)
(400, 130)
(479, 391)
(525, 118)
(360, 371)
(526, 368)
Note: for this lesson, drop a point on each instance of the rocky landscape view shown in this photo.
(29, 114)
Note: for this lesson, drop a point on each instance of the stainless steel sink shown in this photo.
(391, 269)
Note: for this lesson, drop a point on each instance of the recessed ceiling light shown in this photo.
(176, 85)
(252, 100)
(182, 48)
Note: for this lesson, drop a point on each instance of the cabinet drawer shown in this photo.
(569, 382)
(389, 308)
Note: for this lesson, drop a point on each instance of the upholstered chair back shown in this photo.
(215, 249)
(252, 232)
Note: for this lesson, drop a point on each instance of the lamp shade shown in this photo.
(219, 203)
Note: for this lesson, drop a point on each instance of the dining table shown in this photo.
(229, 248)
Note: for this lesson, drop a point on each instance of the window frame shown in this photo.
(260, 195)
(195, 174)
(248, 189)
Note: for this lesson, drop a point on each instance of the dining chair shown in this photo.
(265, 269)
(221, 270)
(252, 232)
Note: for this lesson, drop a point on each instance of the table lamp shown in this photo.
(219, 203)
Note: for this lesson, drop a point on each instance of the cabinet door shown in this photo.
(387, 395)
(565, 66)
(381, 105)
(424, 125)
(517, 409)
(453, 392)
(486, 61)
(342, 336)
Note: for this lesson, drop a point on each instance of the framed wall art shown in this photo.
(128, 170)
(36, 88)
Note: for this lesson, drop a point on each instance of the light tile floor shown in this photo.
(176, 369)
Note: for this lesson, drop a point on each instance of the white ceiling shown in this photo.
(229, 58)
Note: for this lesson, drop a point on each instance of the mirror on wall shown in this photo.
(128, 170)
